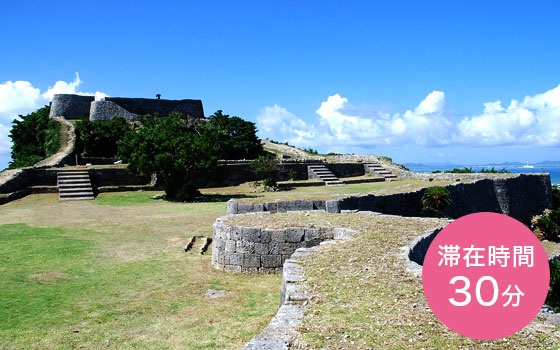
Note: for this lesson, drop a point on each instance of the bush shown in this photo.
(101, 138)
(292, 174)
(553, 297)
(35, 137)
(547, 225)
(178, 150)
(465, 170)
(555, 197)
(268, 168)
(434, 200)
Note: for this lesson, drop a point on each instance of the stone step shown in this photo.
(76, 194)
(69, 177)
(74, 189)
(335, 183)
(77, 198)
(74, 185)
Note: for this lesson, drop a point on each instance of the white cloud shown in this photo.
(534, 121)
(21, 97)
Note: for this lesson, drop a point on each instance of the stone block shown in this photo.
(282, 206)
(232, 268)
(274, 247)
(251, 234)
(319, 205)
(271, 207)
(233, 259)
(325, 233)
(218, 243)
(287, 248)
(311, 234)
(294, 234)
(245, 247)
(261, 248)
(332, 206)
(231, 207)
(230, 246)
(235, 233)
(266, 236)
(249, 270)
(244, 208)
(271, 261)
(251, 260)
(278, 236)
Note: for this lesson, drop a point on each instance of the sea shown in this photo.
(554, 171)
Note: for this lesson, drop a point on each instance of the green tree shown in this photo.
(237, 138)
(434, 200)
(100, 138)
(178, 150)
(268, 168)
(34, 137)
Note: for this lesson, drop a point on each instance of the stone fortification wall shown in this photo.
(78, 107)
(520, 197)
(255, 250)
(33, 177)
(71, 106)
(162, 108)
(107, 110)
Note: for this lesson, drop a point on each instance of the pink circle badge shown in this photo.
(485, 276)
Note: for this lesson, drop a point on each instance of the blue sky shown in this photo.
(414, 80)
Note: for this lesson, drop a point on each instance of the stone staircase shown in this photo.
(74, 185)
(321, 172)
(377, 170)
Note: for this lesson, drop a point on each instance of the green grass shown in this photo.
(127, 198)
(115, 276)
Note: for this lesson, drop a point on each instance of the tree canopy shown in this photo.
(34, 137)
(176, 149)
(237, 138)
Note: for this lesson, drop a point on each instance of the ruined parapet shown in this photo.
(162, 107)
(83, 107)
(71, 106)
(107, 110)
(256, 250)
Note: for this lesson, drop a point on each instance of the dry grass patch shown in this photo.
(364, 298)
(249, 193)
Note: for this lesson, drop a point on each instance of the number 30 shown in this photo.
(477, 291)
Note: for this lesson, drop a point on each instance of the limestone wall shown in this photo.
(78, 107)
(107, 110)
(255, 250)
(520, 197)
(162, 108)
(71, 106)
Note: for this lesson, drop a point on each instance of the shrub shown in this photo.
(292, 174)
(434, 200)
(547, 225)
(555, 197)
(34, 138)
(553, 297)
(465, 170)
(268, 168)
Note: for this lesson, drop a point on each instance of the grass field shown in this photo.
(112, 274)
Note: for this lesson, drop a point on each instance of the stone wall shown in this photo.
(255, 250)
(107, 110)
(71, 106)
(520, 197)
(78, 107)
(32, 177)
(162, 108)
